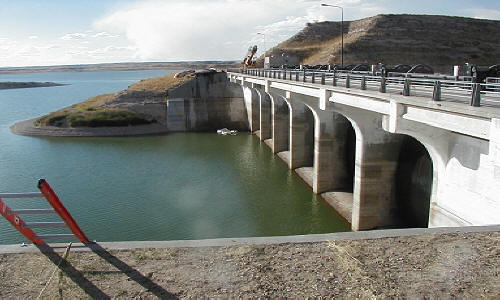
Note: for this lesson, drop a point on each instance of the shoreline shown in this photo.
(10, 85)
(27, 128)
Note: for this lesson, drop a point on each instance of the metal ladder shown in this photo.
(12, 215)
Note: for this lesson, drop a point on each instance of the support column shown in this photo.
(331, 170)
(251, 99)
(301, 135)
(374, 190)
(265, 116)
(280, 124)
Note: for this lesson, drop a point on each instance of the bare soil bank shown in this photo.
(436, 266)
(438, 41)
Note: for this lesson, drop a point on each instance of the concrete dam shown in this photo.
(382, 155)
(380, 159)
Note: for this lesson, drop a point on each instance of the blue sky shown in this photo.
(73, 32)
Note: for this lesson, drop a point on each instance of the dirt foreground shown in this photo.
(464, 265)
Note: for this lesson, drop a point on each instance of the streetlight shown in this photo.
(259, 33)
(342, 30)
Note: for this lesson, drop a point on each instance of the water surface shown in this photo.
(177, 186)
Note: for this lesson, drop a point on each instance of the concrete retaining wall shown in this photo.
(207, 103)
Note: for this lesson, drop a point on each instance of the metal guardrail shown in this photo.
(437, 88)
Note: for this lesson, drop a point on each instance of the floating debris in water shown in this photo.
(225, 131)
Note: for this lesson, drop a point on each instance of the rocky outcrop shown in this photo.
(438, 41)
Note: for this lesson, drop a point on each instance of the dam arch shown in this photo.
(413, 184)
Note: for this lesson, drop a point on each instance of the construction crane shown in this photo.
(248, 60)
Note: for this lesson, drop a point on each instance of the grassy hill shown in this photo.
(438, 41)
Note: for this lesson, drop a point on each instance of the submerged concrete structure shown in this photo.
(380, 159)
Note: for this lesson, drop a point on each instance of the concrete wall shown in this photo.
(207, 103)
(469, 187)
(158, 111)
(424, 163)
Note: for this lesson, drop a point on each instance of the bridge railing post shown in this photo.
(383, 85)
(313, 78)
(334, 79)
(279, 74)
(436, 93)
(476, 95)
(363, 83)
(347, 81)
(304, 76)
(323, 78)
(406, 87)
(296, 76)
(274, 74)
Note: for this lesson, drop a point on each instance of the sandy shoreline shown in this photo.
(28, 128)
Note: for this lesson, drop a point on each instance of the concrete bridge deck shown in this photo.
(384, 152)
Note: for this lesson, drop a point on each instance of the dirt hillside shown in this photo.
(438, 41)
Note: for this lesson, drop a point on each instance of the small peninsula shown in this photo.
(184, 101)
(22, 85)
(116, 110)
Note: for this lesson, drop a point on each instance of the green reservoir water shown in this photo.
(177, 186)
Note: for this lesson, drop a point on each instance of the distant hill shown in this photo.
(123, 67)
(438, 41)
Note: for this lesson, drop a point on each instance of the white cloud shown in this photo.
(219, 29)
(482, 13)
(33, 37)
(112, 49)
(74, 36)
(105, 34)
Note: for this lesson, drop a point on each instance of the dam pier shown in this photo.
(384, 152)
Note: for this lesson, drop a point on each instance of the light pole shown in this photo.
(259, 33)
(341, 30)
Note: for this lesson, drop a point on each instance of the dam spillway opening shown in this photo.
(413, 180)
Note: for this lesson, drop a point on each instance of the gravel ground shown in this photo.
(426, 266)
